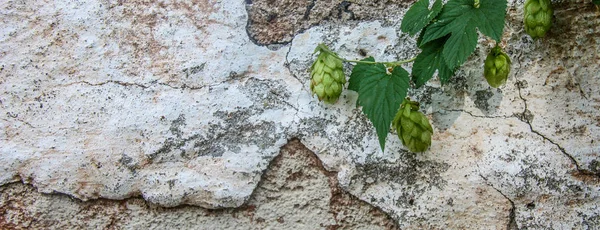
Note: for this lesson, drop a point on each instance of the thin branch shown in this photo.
(323, 48)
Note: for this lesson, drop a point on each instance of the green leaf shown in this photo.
(489, 18)
(456, 14)
(430, 60)
(460, 45)
(420, 38)
(380, 94)
(453, 18)
(597, 2)
(419, 15)
(460, 19)
(361, 71)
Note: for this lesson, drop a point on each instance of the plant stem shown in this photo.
(393, 63)
(324, 48)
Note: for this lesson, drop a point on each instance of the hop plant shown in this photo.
(497, 67)
(327, 75)
(413, 127)
(538, 17)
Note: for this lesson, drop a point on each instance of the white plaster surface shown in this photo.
(173, 102)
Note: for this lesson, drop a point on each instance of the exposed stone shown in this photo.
(295, 192)
(274, 22)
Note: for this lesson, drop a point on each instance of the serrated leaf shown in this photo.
(430, 60)
(419, 15)
(420, 38)
(453, 20)
(489, 18)
(361, 71)
(456, 14)
(460, 45)
(460, 19)
(380, 94)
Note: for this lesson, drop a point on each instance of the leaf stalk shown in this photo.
(324, 48)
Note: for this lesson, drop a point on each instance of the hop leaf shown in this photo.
(430, 60)
(461, 19)
(419, 15)
(497, 67)
(537, 17)
(379, 93)
(327, 77)
(413, 127)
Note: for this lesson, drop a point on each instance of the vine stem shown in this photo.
(324, 48)
(392, 63)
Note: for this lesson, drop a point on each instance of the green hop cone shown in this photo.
(327, 77)
(413, 127)
(497, 67)
(538, 17)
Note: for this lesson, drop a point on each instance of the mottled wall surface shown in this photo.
(191, 102)
(295, 192)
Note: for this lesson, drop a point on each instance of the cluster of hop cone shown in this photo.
(412, 126)
(537, 19)
(328, 79)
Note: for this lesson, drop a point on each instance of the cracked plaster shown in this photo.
(296, 184)
(175, 103)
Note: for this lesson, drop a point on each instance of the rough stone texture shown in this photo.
(274, 22)
(175, 102)
(304, 194)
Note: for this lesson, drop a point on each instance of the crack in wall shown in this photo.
(525, 117)
(512, 223)
(232, 76)
(287, 63)
(443, 111)
(127, 84)
(295, 171)
(19, 120)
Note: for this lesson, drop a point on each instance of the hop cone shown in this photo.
(538, 17)
(327, 76)
(497, 67)
(413, 127)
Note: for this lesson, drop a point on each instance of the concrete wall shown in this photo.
(197, 114)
